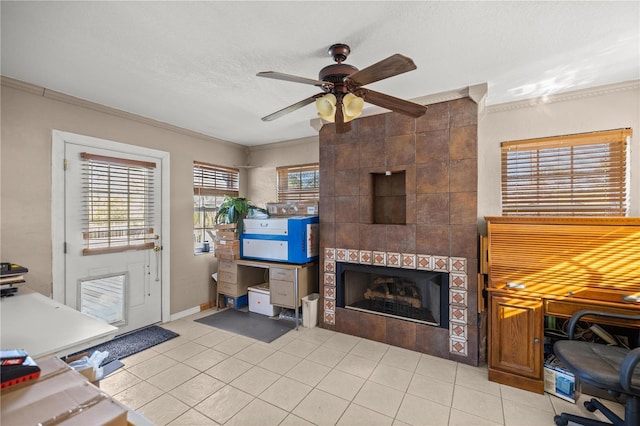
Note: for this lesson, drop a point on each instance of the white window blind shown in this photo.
(573, 175)
(299, 183)
(210, 185)
(118, 203)
(209, 179)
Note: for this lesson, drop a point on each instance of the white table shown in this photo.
(41, 326)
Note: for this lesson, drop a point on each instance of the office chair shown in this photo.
(611, 368)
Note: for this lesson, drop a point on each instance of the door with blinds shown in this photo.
(112, 236)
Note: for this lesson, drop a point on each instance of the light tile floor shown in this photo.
(314, 376)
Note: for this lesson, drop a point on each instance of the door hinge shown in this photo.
(64, 164)
(64, 247)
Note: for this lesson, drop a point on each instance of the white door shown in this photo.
(121, 284)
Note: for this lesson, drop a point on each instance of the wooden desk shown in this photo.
(288, 282)
(41, 326)
(543, 266)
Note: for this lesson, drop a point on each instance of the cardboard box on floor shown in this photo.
(89, 372)
(559, 381)
(61, 395)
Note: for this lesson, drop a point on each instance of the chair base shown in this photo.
(632, 415)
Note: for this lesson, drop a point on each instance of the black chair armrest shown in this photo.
(626, 371)
(579, 314)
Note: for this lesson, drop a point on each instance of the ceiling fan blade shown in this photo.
(292, 108)
(392, 103)
(393, 65)
(294, 78)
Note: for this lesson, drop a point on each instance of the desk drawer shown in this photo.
(574, 292)
(566, 308)
(282, 293)
(230, 277)
(281, 274)
(229, 289)
(226, 266)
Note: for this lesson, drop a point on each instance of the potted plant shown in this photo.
(234, 209)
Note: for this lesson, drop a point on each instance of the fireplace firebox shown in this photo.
(408, 294)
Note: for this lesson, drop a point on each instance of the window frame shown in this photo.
(283, 179)
(118, 197)
(210, 181)
(585, 174)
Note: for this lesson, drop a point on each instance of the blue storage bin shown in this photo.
(236, 302)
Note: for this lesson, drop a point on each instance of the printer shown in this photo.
(286, 239)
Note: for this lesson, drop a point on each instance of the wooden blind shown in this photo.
(209, 179)
(548, 253)
(581, 175)
(118, 204)
(299, 183)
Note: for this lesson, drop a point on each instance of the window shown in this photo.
(118, 199)
(299, 183)
(210, 184)
(575, 175)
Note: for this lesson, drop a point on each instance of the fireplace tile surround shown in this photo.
(438, 155)
(458, 288)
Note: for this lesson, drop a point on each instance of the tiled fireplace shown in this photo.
(413, 294)
(401, 193)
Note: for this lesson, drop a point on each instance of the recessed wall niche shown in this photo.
(389, 198)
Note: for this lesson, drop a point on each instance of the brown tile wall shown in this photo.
(438, 153)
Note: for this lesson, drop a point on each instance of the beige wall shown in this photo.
(604, 108)
(25, 189)
(25, 185)
(262, 179)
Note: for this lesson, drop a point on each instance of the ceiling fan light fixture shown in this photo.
(326, 106)
(352, 106)
(340, 81)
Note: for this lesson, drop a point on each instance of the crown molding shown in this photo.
(21, 85)
(566, 96)
(284, 144)
(68, 99)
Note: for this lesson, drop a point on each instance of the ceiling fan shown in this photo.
(342, 97)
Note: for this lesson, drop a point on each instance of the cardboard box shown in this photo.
(225, 256)
(259, 301)
(61, 393)
(226, 249)
(89, 372)
(278, 209)
(559, 381)
(307, 208)
(293, 208)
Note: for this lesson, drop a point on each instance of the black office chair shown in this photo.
(611, 368)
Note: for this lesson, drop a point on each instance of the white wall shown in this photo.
(603, 108)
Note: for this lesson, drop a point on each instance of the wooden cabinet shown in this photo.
(282, 284)
(234, 281)
(516, 336)
(553, 266)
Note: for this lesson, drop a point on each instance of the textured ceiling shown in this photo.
(194, 64)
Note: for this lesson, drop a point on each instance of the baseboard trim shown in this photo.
(185, 313)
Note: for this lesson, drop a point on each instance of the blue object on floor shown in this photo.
(236, 302)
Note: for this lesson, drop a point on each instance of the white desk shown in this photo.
(41, 326)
